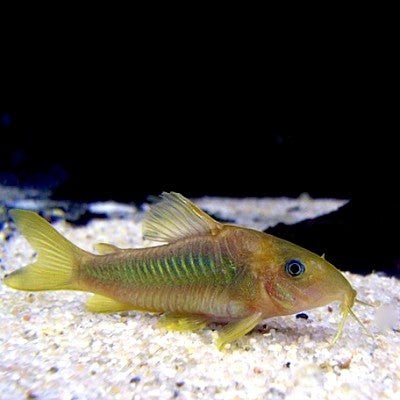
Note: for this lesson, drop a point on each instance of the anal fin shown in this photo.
(176, 322)
(235, 330)
(103, 304)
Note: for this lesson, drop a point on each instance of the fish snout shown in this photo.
(349, 297)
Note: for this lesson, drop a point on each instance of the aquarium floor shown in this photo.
(52, 348)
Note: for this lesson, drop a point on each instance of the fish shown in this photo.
(201, 271)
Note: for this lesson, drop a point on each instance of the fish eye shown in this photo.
(295, 268)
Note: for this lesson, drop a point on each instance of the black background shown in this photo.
(116, 115)
(199, 141)
(120, 103)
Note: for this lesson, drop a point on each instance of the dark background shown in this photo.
(96, 118)
(117, 103)
(114, 108)
(204, 141)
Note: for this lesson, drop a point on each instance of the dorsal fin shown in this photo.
(175, 217)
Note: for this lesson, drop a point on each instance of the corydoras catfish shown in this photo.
(204, 271)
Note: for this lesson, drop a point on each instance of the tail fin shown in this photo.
(58, 259)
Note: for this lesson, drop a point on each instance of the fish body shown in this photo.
(196, 275)
(204, 271)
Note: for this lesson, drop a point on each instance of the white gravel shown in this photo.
(261, 213)
(52, 348)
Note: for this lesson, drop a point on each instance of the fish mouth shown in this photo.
(349, 298)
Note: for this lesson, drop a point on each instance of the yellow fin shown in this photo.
(175, 217)
(106, 248)
(175, 322)
(57, 260)
(103, 304)
(235, 330)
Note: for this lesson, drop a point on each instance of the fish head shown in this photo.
(296, 279)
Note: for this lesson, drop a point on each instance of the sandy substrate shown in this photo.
(52, 348)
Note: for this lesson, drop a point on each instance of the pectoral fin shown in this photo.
(176, 322)
(103, 304)
(235, 330)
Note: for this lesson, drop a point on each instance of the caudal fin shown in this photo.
(58, 259)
